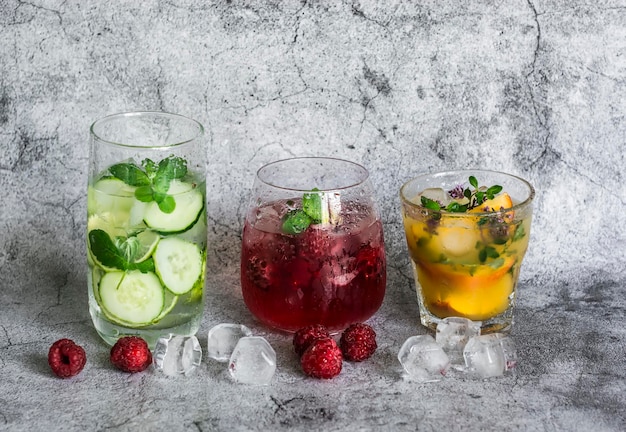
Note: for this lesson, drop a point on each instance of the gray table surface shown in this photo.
(532, 87)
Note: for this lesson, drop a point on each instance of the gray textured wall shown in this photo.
(532, 87)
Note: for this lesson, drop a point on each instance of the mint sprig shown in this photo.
(153, 182)
(297, 221)
(110, 255)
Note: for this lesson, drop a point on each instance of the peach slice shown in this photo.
(453, 291)
(502, 201)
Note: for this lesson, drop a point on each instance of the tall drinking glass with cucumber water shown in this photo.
(146, 225)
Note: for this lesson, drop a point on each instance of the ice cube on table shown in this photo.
(253, 361)
(177, 355)
(223, 338)
(452, 335)
(423, 359)
(490, 355)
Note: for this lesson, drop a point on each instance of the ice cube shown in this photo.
(423, 359)
(223, 338)
(177, 355)
(490, 355)
(253, 361)
(452, 335)
(435, 194)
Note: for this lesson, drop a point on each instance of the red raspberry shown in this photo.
(306, 335)
(322, 359)
(66, 359)
(358, 342)
(131, 354)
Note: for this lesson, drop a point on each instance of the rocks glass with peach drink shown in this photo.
(467, 233)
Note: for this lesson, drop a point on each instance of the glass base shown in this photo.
(502, 323)
(111, 332)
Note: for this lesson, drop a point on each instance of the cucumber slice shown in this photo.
(131, 298)
(110, 194)
(189, 205)
(178, 263)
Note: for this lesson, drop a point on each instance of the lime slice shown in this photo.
(148, 241)
(170, 301)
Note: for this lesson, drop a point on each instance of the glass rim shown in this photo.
(131, 114)
(524, 203)
(360, 167)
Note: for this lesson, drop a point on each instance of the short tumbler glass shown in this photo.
(313, 249)
(146, 226)
(467, 261)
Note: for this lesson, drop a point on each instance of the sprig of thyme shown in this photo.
(475, 197)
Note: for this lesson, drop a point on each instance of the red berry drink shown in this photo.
(331, 273)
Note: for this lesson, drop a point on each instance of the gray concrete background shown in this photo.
(532, 87)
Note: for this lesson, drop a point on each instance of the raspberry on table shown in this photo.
(66, 359)
(322, 359)
(131, 354)
(306, 335)
(358, 342)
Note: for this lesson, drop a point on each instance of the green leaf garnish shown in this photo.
(118, 254)
(473, 182)
(455, 207)
(172, 168)
(167, 204)
(153, 183)
(298, 220)
(487, 252)
(519, 232)
(312, 205)
(295, 222)
(144, 194)
(497, 263)
(130, 174)
(105, 251)
(430, 204)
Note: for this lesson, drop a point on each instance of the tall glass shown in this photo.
(146, 226)
(467, 233)
(313, 248)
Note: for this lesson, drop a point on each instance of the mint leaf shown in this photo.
(130, 174)
(128, 247)
(144, 266)
(519, 232)
(497, 263)
(172, 167)
(109, 255)
(493, 191)
(166, 204)
(455, 207)
(430, 204)
(487, 252)
(295, 222)
(105, 251)
(161, 184)
(144, 194)
(312, 205)
(473, 182)
(150, 166)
